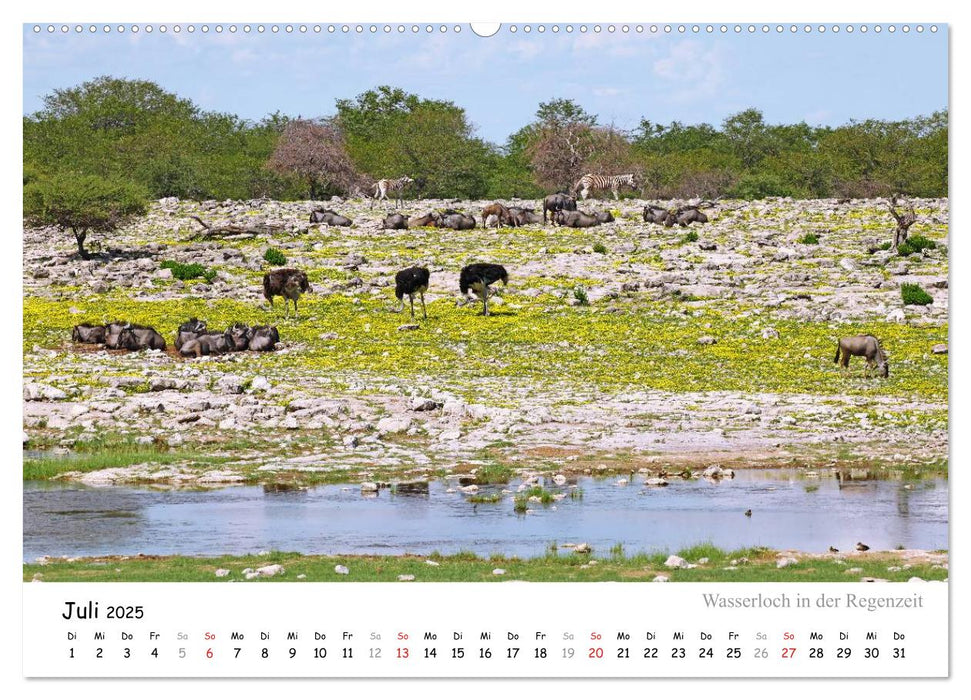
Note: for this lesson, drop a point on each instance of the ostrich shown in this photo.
(287, 283)
(410, 281)
(478, 277)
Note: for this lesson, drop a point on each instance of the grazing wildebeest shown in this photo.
(189, 330)
(382, 187)
(394, 221)
(411, 281)
(238, 336)
(654, 214)
(135, 337)
(113, 334)
(329, 217)
(520, 216)
(86, 333)
(456, 220)
(478, 277)
(207, 344)
(264, 338)
(862, 346)
(575, 219)
(285, 282)
(560, 201)
(497, 210)
(432, 218)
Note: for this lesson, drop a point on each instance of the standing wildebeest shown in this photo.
(478, 277)
(382, 187)
(575, 219)
(456, 220)
(189, 330)
(288, 283)
(264, 338)
(560, 201)
(86, 333)
(411, 281)
(394, 221)
(135, 337)
(113, 334)
(497, 210)
(432, 218)
(329, 217)
(862, 346)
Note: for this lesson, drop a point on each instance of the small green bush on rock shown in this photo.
(275, 257)
(913, 294)
(189, 271)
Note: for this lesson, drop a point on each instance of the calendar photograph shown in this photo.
(426, 303)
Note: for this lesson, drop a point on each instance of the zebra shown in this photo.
(602, 182)
(382, 187)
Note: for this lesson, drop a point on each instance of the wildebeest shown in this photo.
(560, 201)
(683, 216)
(497, 210)
(238, 336)
(207, 344)
(263, 338)
(478, 277)
(113, 334)
(520, 216)
(135, 337)
(394, 221)
(456, 220)
(329, 217)
(430, 219)
(575, 219)
(411, 281)
(285, 282)
(86, 333)
(604, 217)
(189, 330)
(654, 214)
(865, 346)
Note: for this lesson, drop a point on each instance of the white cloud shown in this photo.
(696, 71)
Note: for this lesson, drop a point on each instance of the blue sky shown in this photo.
(821, 79)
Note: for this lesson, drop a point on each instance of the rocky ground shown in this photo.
(620, 347)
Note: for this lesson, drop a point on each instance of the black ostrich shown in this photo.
(287, 283)
(478, 277)
(411, 281)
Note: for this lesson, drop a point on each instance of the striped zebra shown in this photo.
(602, 182)
(382, 187)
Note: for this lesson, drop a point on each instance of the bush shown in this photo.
(919, 242)
(580, 294)
(690, 237)
(905, 249)
(913, 294)
(810, 239)
(189, 271)
(275, 257)
(600, 248)
(887, 245)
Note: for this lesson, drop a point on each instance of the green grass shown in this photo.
(48, 467)
(810, 239)
(275, 257)
(913, 294)
(749, 565)
(189, 271)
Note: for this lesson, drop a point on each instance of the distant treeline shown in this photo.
(134, 131)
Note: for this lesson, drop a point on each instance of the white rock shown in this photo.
(660, 579)
(498, 572)
(431, 563)
(222, 573)
(406, 577)
(896, 316)
(675, 562)
(260, 384)
(342, 570)
(785, 561)
(583, 548)
(369, 487)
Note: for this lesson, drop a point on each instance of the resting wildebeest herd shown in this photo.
(560, 209)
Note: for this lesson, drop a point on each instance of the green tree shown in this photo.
(82, 203)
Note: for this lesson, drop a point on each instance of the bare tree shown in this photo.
(904, 221)
(315, 151)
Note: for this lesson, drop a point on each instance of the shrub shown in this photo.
(189, 271)
(886, 245)
(905, 249)
(580, 294)
(810, 239)
(690, 237)
(275, 257)
(913, 294)
(600, 248)
(919, 242)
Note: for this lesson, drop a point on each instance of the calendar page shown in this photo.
(450, 350)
